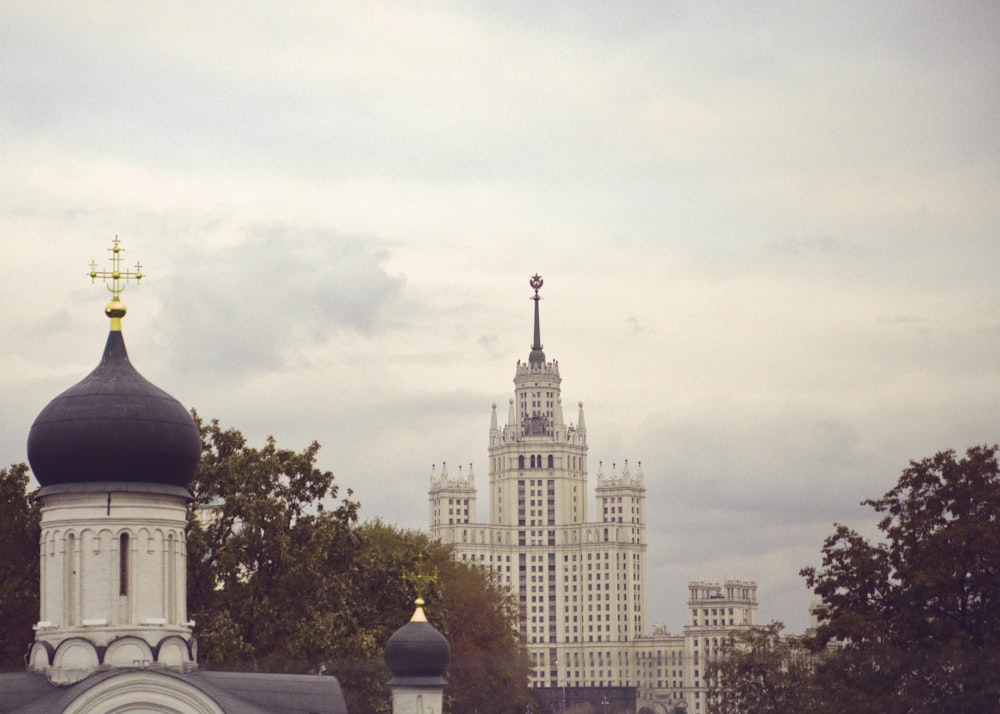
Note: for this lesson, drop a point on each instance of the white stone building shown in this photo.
(580, 580)
(671, 668)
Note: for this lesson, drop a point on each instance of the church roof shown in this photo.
(114, 426)
(233, 692)
(417, 654)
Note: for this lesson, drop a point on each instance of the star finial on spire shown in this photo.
(537, 357)
(115, 281)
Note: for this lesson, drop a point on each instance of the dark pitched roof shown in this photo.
(234, 692)
(280, 693)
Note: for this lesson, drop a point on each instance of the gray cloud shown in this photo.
(252, 304)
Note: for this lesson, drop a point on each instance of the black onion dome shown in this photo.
(417, 649)
(114, 426)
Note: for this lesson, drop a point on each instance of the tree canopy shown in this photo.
(909, 623)
(762, 672)
(19, 534)
(923, 603)
(282, 577)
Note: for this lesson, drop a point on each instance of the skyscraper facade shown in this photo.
(579, 580)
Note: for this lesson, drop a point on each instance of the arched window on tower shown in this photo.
(532, 461)
(550, 461)
(520, 461)
(171, 579)
(123, 564)
(71, 590)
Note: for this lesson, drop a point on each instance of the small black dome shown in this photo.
(417, 649)
(114, 426)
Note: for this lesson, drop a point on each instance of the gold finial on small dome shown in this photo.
(418, 614)
(115, 280)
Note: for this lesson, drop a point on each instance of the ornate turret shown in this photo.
(114, 425)
(417, 656)
(114, 455)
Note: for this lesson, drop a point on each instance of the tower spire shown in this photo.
(537, 357)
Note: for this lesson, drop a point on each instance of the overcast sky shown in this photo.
(769, 239)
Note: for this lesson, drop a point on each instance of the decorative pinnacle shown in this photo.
(115, 281)
(420, 581)
(537, 357)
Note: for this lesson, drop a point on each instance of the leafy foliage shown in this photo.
(19, 533)
(489, 668)
(282, 578)
(280, 581)
(909, 623)
(921, 608)
(264, 554)
(759, 671)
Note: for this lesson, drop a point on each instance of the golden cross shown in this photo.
(116, 275)
(420, 579)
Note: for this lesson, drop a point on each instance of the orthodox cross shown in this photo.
(115, 278)
(421, 580)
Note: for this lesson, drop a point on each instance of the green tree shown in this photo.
(489, 667)
(279, 582)
(918, 612)
(265, 556)
(758, 670)
(761, 671)
(910, 622)
(19, 534)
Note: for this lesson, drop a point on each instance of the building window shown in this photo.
(123, 564)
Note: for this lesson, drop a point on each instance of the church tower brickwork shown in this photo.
(114, 455)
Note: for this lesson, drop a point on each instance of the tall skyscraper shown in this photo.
(579, 580)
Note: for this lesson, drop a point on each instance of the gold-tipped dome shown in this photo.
(417, 653)
(114, 425)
